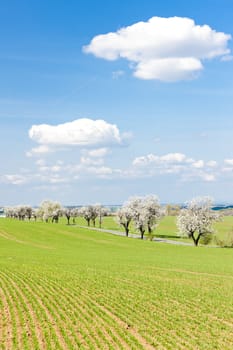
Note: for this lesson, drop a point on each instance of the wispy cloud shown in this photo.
(93, 164)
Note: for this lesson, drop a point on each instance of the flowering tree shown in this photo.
(196, 220)
(124, 216)
(88, 214)
(153, 211)
(49, 209)
(101, 212)
(145, 212)
(68, 213)
(74, 214)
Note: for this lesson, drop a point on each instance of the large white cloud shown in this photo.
(167, 49)
(81, 132)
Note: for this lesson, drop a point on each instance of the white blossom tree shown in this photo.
(88, 214)
(50, 209)
(74, 214)
(153, 211)
(196, 220)
(124, 216)
(146, 213)
(68, 213)
(101, 212)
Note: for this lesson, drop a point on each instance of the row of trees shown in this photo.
(195, 220)
(50, 210)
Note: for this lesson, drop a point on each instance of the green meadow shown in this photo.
(65, 287)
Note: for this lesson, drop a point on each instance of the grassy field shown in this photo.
(62, 287)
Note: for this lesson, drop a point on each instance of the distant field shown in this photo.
(62, 287)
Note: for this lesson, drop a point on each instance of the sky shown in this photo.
(103, 100)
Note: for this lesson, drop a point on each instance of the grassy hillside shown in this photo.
(64, 287)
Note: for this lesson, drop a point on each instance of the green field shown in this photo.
(63, 287)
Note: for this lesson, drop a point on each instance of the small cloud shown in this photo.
(38, 151)
(91, 161)
(208, 177)
(173, 157)
(198, 164)
(117, 74)
(228, 162)
(40, 162)
(14, 179)
(212, 163)
(227, 58)
(100, 171)
(98, 153)
(154, 159)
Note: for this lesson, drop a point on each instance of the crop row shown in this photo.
(42, 314)
(39, 312)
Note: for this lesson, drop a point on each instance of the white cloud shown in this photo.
(40, 162)
(100, 171)
(227, 58)
(97, 153)
(173, 157)
(175, 163)
(38, 151)
(144, 160)
(154, 159)
(81, 132)
(169, 69)
(212, 163)
(228, 162)
(14, 179)
(91, 161)
(208, 177)
(117, 74)
(198, 164)
(167, 49)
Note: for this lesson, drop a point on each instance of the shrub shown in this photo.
(206, 239)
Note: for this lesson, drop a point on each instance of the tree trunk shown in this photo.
(149, 229)
(142, 232)
(195, 240)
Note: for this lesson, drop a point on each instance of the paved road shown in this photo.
(120, 233)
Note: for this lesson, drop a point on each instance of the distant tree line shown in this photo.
(52, 211)
(195, 220)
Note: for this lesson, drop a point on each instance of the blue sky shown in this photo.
(102, 100)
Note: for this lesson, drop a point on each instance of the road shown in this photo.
(120, 233)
